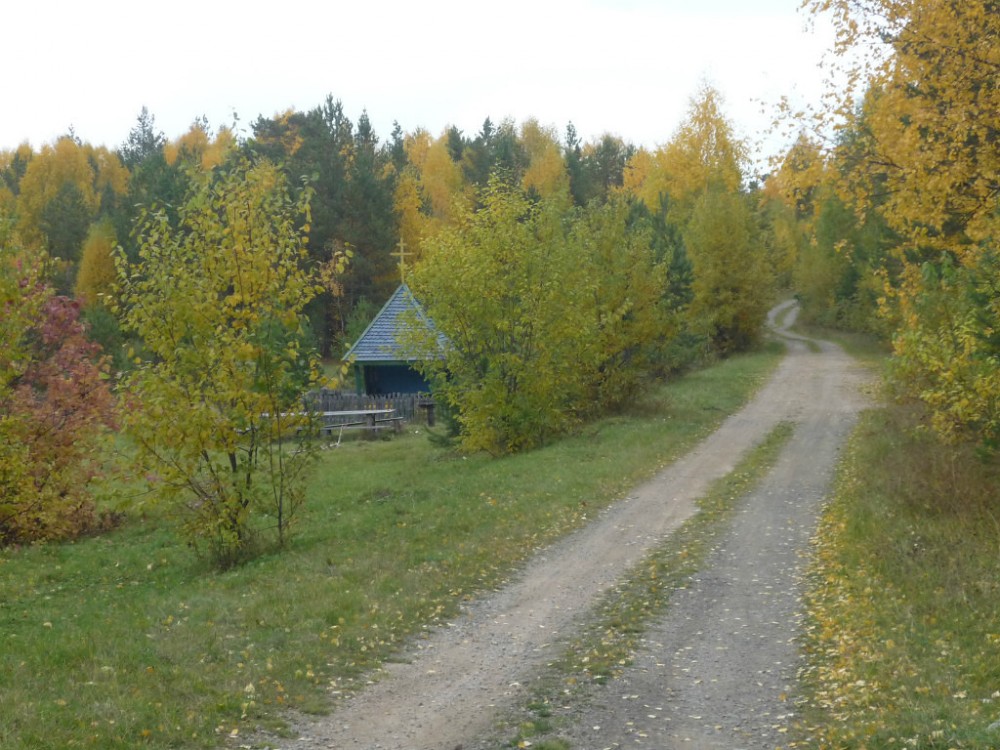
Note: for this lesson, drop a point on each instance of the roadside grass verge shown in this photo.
(607, 644)
(903, 634)
(128, 640)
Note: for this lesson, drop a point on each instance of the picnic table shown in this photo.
(372, 419)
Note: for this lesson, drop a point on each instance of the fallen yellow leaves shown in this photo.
(899, 654)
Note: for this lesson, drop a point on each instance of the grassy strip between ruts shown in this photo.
(606, 645)
(126, 640)
(904, 626)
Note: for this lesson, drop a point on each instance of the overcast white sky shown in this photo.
(628, 67)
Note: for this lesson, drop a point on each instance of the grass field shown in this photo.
(129, 640)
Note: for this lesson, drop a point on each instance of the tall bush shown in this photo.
(214, 403)
(549, 314)
(54, 402)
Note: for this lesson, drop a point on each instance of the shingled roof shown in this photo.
(381, 341)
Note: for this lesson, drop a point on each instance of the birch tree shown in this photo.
(214, 401)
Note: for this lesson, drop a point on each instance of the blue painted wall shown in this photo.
(381, 379)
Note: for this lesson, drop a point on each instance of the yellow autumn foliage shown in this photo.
(63, 163)
(97, 275)
(925, 158)
(546, 174)
(441, 179)
(430, 191)
(198, 148)
(704, 153)
(412, 222)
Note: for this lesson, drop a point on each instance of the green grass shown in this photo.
(129, 640)
(606, 646)
(904, 635)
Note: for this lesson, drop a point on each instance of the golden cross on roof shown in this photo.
(401, 254)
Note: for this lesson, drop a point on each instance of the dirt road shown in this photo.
(714, 669)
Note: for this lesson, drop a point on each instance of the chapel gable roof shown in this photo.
(384, 338)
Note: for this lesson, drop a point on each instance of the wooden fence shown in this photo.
(412, 407)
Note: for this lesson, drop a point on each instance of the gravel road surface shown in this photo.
(714, 672)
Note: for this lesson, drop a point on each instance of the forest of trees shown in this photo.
(899, 215)
(565, 274)
(77, 202)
